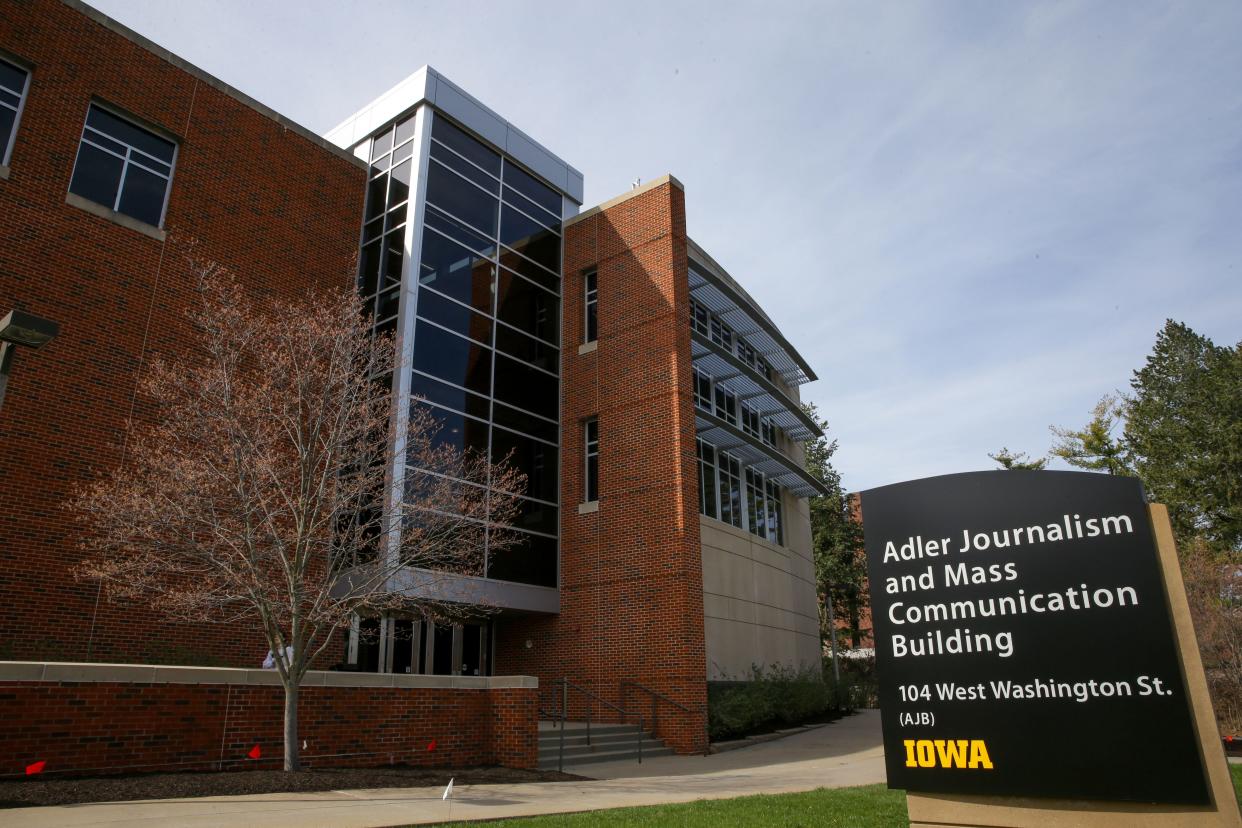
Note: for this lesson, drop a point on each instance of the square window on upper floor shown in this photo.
(14, 83)
(123, 166)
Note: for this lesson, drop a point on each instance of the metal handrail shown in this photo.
(566, 685)
(655, 710)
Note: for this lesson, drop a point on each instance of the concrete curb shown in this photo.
(734, 744)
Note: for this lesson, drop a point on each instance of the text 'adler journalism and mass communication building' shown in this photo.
(652, 405)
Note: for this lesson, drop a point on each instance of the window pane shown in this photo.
(531, 209)
(531, 271)
(12, 78)
(375, 196)
(467, 202)
(520, 421)
(543, 248)
(532, 560)
(449, 357)
(465, 168)
(517, 229)
(381, 144)
(368, 269)
(526, 388)
(127, 133)
(527, 307)
(394, 255)
(535, 516)
(447, 396)
(7, 119)
(97, 175)
(459, 232)
(460, 432)
(529, 186)
(455, 317)
(405, 131)
(400, 189)
(535, 351)
(456, 272)
(538, 461)
(443, 131)
(143, 195)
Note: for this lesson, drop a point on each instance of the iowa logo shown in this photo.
(947, 753)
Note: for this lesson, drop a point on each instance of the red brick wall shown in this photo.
(114, 727)
(631, 573)
(280, 210)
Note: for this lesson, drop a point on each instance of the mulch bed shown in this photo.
(49, 790)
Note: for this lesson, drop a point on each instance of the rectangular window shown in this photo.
(769, 432)
(700, 320)
(730, 469)
(123, 166)
(707, 478)
(592, 306)
(750, 420)
(14, 82)
(756, 515)
(591, 438)
(722, 335)
(702, 390)
(726, 404)
(776, 514)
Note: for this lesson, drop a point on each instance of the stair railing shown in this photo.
(656, 698)
(566, 686)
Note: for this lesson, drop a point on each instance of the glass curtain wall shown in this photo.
(487, 332)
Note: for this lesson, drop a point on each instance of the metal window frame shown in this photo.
(590, 301)
(7, 154)
(590, 450)
(139, 124)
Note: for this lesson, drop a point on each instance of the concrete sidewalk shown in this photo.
(844, 753)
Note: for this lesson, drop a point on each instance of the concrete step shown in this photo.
(609, 743)
(630, 755)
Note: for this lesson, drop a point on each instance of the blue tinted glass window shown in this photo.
(458, 197)
(536, 460)
(123, 166)
(532, 188)
(450, 357)
(527, 307)
(458, 140)
(531, 560)
(455, 271)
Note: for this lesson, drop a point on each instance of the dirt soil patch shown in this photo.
(49, 790)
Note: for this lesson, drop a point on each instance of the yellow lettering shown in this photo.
(951, 752)
(979, 755)
(927, 753)
(909, 744)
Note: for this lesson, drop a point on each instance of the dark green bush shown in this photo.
(770, 698)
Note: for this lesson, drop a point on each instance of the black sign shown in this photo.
(1023, 640)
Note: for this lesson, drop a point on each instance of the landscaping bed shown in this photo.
(50, 790)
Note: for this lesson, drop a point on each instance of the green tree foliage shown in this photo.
(1184, 427)
(1017, 461)
(836, 539)
(1097, 446)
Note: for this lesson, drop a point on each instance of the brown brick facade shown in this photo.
(119, 727)
(631, 572)
(248, 190)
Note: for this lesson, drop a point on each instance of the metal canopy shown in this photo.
(752, 389)
(768, 460)
(749, 323)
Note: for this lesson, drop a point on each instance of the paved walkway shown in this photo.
(845, 753)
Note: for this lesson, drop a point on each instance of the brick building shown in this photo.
(651, 403)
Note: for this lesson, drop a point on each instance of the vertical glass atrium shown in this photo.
(483, 315)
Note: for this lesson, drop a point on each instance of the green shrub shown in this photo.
(770, 698)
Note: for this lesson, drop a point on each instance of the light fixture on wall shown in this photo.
(25, 329)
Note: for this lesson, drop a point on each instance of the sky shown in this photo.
(970, 217)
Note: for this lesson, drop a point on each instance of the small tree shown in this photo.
(261, 492)
(1095, 447)
(1017, 461)
(836, 538)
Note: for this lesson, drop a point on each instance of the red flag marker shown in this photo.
(255, 753)
(431, 745)
(1229, 739)
(37, 767)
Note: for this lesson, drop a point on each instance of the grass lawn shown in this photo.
(873, 806)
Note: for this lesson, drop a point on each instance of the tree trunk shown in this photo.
(292, 761)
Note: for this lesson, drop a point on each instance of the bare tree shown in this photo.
(1214, 591)
(261, 492)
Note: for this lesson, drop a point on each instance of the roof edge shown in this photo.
(211, 80)
(667, 178)
(733, 286)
